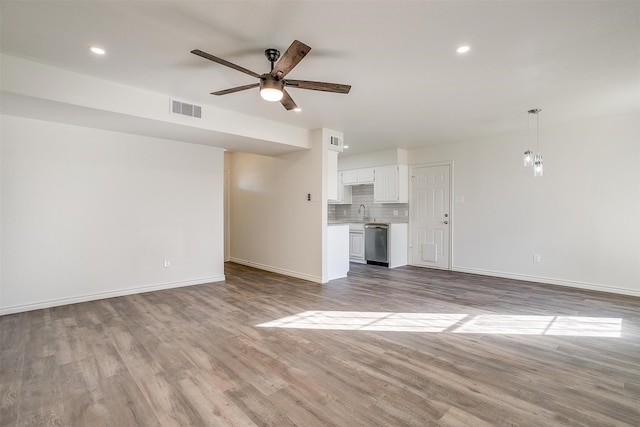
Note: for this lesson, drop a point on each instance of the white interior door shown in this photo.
(430, 220)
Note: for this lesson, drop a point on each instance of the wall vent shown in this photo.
(178, 107)
(336, 143)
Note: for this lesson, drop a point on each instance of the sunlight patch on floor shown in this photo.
(367, 321)
(543, 325)
(451, 322)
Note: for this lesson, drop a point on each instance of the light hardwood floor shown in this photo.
(402, 347)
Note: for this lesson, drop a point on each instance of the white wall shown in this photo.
(273, 226)
(88, 213)
(582, 217)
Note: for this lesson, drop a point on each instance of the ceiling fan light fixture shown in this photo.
(270, 88)
(270, 94)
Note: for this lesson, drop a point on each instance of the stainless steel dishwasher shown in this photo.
(375, 243)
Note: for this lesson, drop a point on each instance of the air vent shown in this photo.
(335, 143)
(185, 109)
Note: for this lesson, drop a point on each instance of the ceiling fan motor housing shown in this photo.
(268, 81)
(270, 84)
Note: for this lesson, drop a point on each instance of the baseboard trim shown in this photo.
(297, 275)
(105, 295)
(549, 281)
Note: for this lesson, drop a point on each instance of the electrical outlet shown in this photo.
(395, 213)
(406, 213)
(536, 258)
(167, 263)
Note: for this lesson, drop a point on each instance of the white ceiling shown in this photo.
(576, 60)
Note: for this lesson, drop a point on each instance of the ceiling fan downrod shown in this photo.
(272, 56)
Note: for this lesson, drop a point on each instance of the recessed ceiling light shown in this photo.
(345, 147)
(463, 49)
(298, 109)
(97, 50)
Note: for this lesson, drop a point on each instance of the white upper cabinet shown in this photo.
(344, 192)
(366, 175)
(391, 184)
(358, 176)
(333, 178)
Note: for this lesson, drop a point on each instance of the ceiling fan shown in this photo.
(272, 85)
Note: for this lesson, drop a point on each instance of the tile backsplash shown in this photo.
(378, 212)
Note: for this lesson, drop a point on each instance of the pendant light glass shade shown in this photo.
(538, 166)
(528, 158)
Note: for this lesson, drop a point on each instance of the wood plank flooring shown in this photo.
(195, 356)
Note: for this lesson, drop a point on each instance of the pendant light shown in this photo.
(531, 159)
(537, 166)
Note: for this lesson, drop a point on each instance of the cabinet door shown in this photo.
(347, 197)
(385, 185)
(391, 184)
(344, 193)
(365, 176)
(333, 178)
(340, 197)
(356, 245)
(350, 177)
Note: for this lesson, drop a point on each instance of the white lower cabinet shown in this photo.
(356, 243)
(397, 244)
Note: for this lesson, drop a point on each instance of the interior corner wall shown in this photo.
(273, 225)
(581, 217)
(89, 214)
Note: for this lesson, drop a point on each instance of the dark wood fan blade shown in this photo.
(287, 101)
(290, 59)
(225, 63)
(326, 87)
(235, 89)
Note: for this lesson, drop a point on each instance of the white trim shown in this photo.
(550, 281)
(451, 212)
(104, 295)
(303, 276)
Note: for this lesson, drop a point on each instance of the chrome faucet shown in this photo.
(364, 211)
